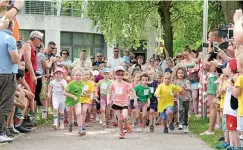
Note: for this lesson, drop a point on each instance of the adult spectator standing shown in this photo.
(49, 54)
(8, 69)
(82, 62)
(64, 59)
(98, 60)
(116, 60)
(43, 64)
(30, 58)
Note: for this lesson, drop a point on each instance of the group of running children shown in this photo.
(147, 96)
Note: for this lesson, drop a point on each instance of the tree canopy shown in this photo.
(129, 22)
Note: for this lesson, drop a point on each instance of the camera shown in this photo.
(19, 44)
(11, 2)
(230, 34)
(215, 47)
(224, 30)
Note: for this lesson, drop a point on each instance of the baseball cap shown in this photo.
(104, 70)
(233, 65)
(119, 68)
(59, 70)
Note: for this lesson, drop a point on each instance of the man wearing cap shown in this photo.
(115, 60)
(10, 57)
(30, 58)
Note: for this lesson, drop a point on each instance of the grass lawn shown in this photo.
(44, 121)
(199, 125)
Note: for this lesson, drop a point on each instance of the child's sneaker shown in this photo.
(151, 128)
(70, 128)
(230, 148)
(104, 125)
(122, 136)
(207, 133)
(171, 126)
(166, 130)
(128, 128)
(180, 127)
(54, 126)
(185, 129)
(223, 145)
(81, 133)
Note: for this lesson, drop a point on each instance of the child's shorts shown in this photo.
(168, 109)
(224, 127)
(141, 104)
(58, 105)
(132, 104)
(154, 106)
(116, 107)
(231, 122)
(240, 124)
(103, 101)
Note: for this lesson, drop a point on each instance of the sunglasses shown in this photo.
(116, 51)
(99, 56)
(64, 53)
(39, 39)
(91, 58)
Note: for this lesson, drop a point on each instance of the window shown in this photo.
(66, 38)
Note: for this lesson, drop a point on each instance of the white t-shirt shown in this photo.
(227, 107)
(113, 63)
(57, 90)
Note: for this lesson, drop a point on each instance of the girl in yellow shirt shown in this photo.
(165, 94)
(87, 94)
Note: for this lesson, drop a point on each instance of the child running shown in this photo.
(183, 99)
(165, 94)
(144, 94)
(120, 90)
(103, 86)
(56, 89)
(87, 95)
(73, 93)
(153, 100)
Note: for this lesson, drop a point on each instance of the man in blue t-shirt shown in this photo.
(8, 68)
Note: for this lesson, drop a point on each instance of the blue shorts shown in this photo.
(168, 109)
(132, 104)
(154, 106)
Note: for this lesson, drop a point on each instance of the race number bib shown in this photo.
(104, 86)
(86, 88)
(152, 89)
(118, 90)
(146, 92)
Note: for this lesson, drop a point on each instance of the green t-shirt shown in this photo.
(74, 88)
(104, 86)
(143, 93)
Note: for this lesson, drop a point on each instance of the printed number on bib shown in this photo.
(152, 89)
(104, 86)
(146, 91)
(118, 90)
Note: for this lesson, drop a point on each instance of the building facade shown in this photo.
(69, 28)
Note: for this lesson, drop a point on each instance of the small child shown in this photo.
(73, 93)
(144, 94)
(153, 84)
(183, 99)
(120, 90)
(165, 94)
(56, 89)
(103, 86)
(87, 95)
(126, 58)
(136, 81)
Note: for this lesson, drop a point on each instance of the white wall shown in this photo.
(53, 25)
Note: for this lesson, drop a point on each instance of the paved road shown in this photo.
(105, 139)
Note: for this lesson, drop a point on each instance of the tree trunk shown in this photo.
(165, 19)
(229, 8)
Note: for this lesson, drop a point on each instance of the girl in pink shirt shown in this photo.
(120, 91)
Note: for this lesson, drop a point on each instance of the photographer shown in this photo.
(8, 69)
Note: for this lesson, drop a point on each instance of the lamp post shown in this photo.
(204, 51)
